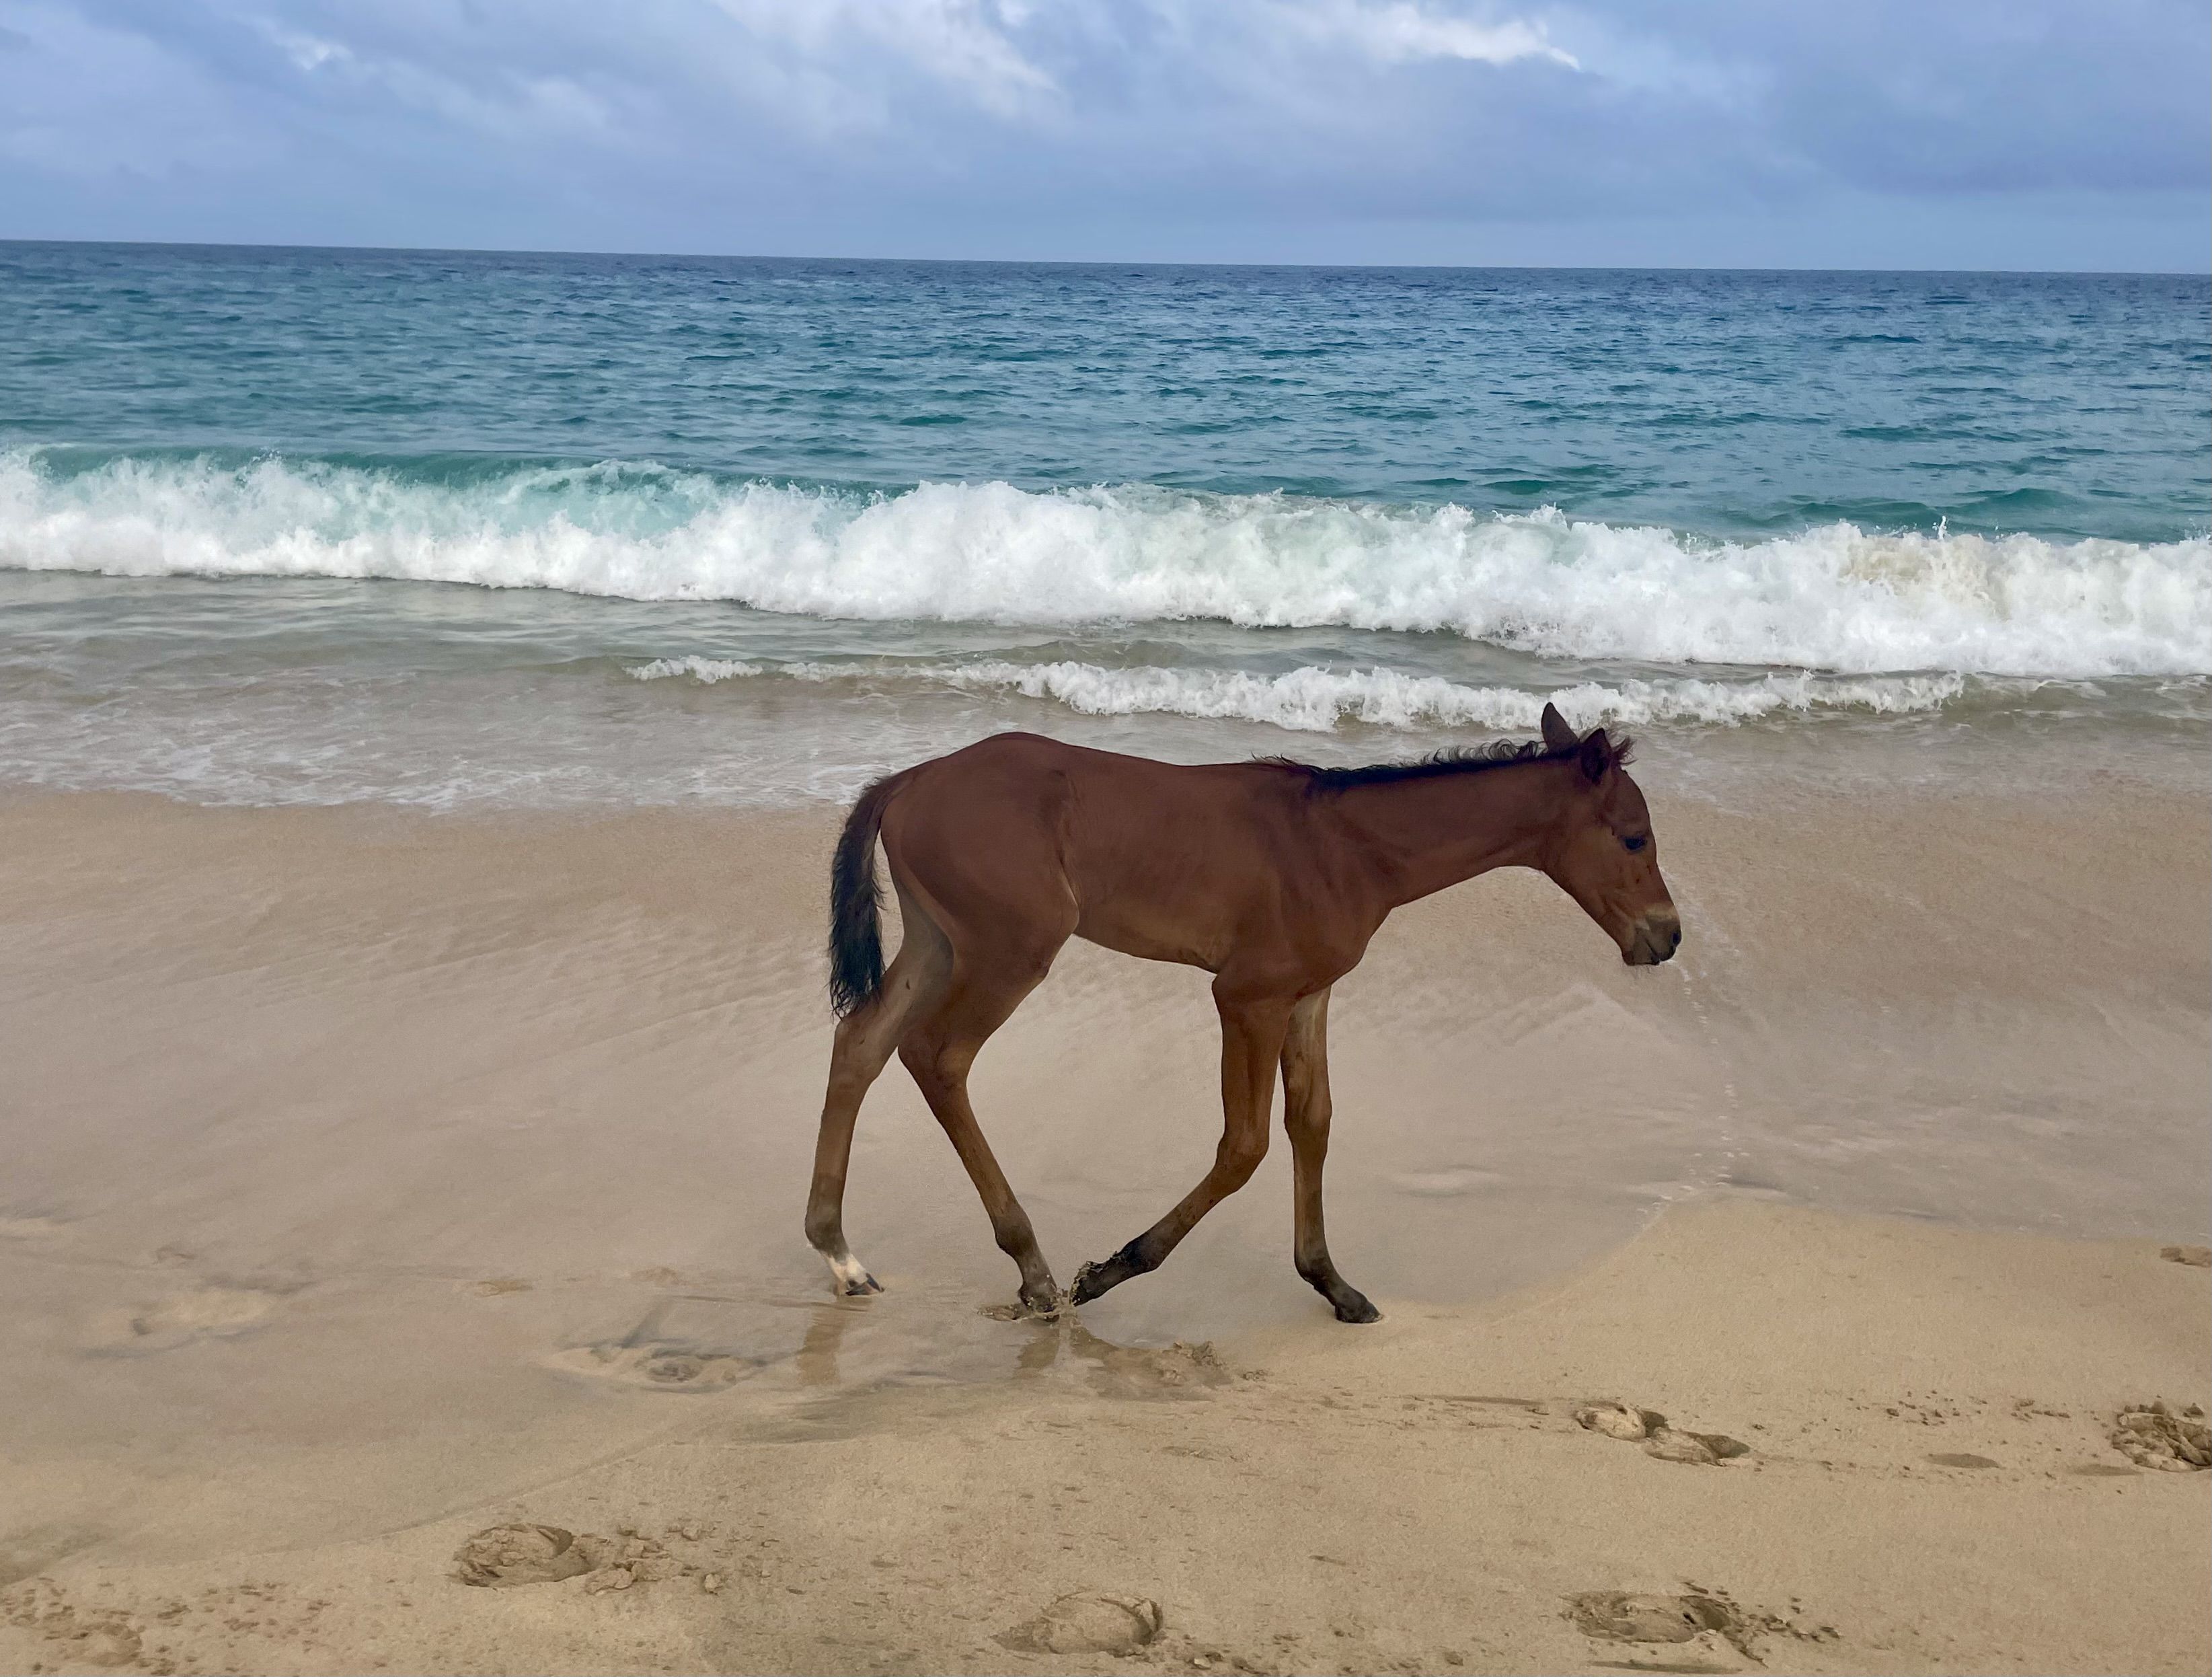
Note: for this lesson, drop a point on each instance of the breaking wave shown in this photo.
(1837, 597)
(1316, 700)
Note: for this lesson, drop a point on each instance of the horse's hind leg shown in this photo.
(1305, 1116)
(938, 1052)
(866, 1038)
(1251, 1041)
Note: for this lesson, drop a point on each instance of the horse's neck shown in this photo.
(1434, 831)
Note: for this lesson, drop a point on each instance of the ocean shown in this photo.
(460, 530)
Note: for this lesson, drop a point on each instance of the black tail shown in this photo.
(856, 901)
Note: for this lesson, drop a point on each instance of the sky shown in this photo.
(2023, 134)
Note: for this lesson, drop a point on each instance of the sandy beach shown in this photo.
(377, 1180)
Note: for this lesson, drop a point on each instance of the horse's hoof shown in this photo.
(1356, 1309)
(1087, 1286)
(1046, 1301)
(861, 1288)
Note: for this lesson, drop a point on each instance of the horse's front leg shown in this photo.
(1305, 1116)
(1251, 1043)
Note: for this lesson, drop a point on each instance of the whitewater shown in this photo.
(1836, 597)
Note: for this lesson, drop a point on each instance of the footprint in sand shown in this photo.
(1649, 1428)
(1701, 1615)
(503, 1557)
(660, 1356)
(204, 1312)
(1136, 1371)
(2196, 1257)
(1180, 1370)
(84, 1636)
(1618, 1420)
(1086, 1623)
(1614, 1615)
(507, 1556)
(658, 1368)
(2174, 1441)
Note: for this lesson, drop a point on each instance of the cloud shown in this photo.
(968, 45)
(1347, 130)
(1399, 31)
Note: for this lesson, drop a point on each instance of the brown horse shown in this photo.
(1270, 875)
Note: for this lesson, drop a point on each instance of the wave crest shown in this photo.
(1837, 597)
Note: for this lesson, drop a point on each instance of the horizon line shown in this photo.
(1105, 262)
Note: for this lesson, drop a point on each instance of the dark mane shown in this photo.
(1472, 760)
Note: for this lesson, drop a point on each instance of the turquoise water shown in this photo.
(1725, 403)
(278, 525)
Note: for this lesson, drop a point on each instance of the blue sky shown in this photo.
(1785, 133)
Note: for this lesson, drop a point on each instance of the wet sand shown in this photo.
(376, 1179)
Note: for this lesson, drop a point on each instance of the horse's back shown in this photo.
(1087, 797)
(1150, 858)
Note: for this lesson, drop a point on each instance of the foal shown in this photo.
(1271, 875)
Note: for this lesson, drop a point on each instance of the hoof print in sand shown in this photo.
(2196, 1257)
(1614, 1615)
(80, 1636)
(208, 1313)
(1702, 1450)
(1618, 1420)
(504, 1555)
(1185, 1367)
(1088, 1624)
(2174, 1441)
(1185, 1363)
(658, 1368)
(1649, 1427)
(1701, 1615)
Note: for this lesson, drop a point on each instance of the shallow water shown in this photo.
(256, 691)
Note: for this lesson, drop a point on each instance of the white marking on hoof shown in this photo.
(852, 1275)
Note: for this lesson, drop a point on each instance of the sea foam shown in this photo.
(1835, 597)
(1316, 700)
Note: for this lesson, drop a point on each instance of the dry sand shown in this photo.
(373, 1181)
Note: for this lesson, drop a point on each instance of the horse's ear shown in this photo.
(1597, 754)
(1559, 734)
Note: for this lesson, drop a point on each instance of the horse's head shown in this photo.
(1603, 854)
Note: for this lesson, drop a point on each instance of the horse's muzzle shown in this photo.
(1654, 939)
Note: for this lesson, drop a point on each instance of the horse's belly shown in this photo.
(1148, 937)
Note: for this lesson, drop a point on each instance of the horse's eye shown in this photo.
(1635, 842)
